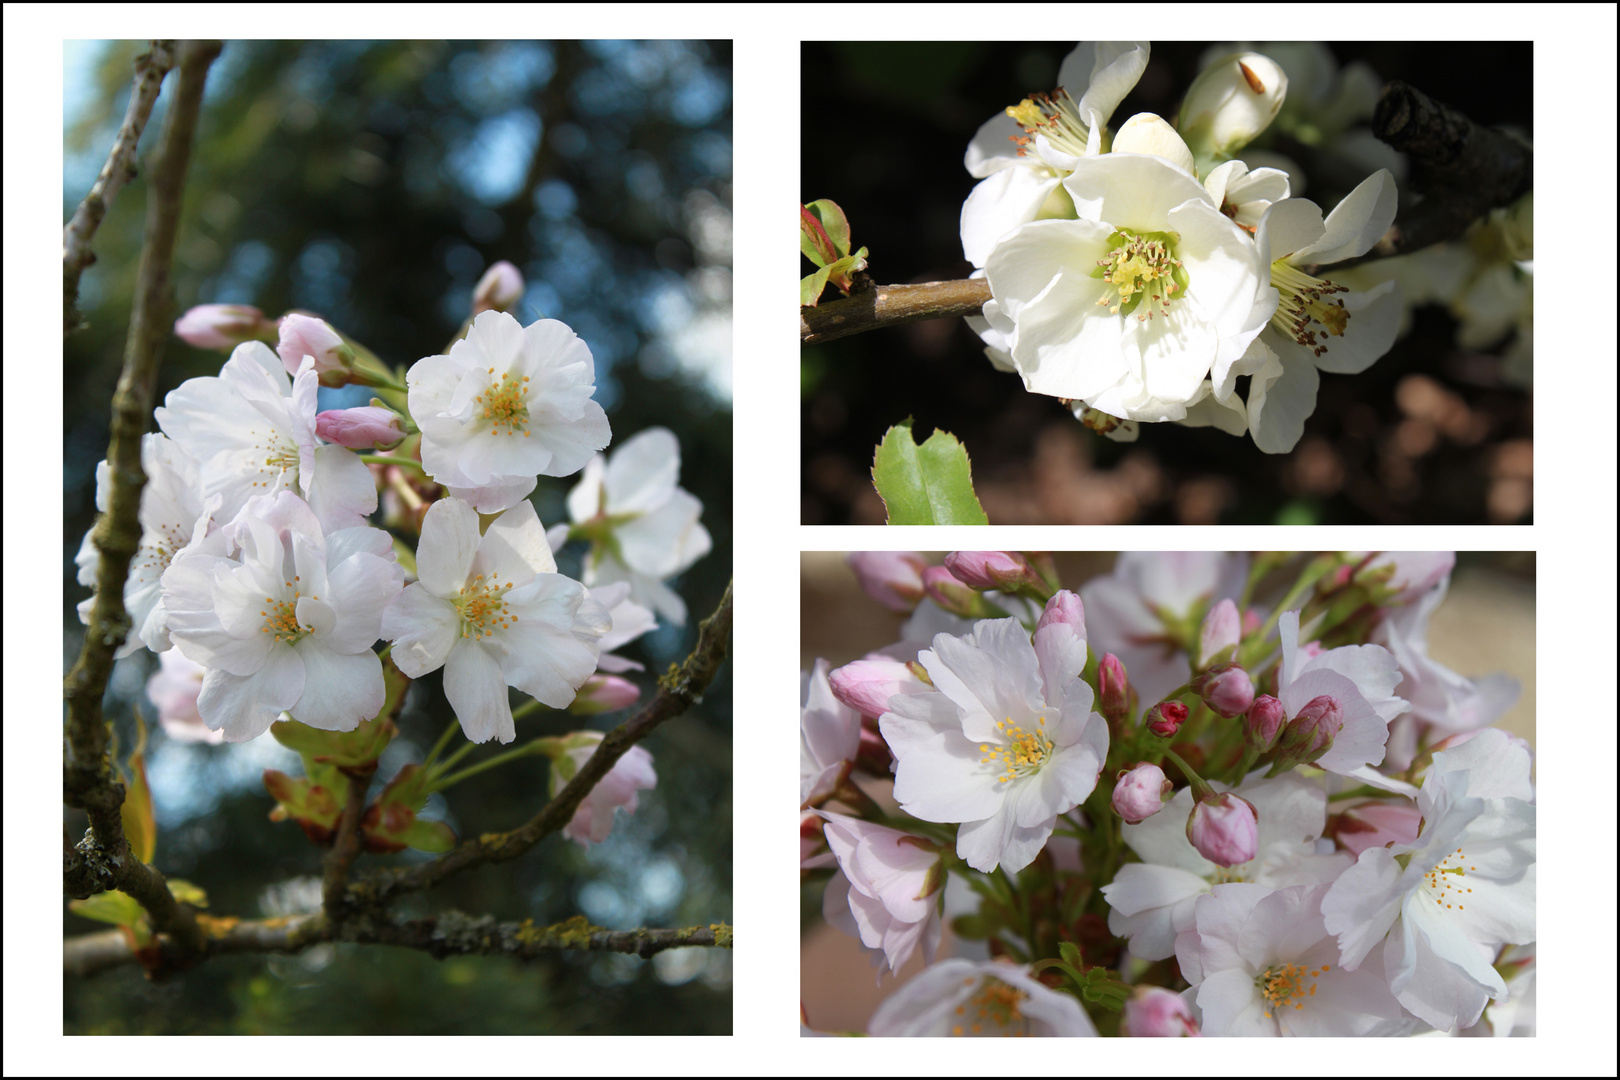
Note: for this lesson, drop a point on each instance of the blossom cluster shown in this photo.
(1138, 271)
(264, 583)
(1203, 794)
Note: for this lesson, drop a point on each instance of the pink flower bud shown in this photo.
(892, 578)
(604, 693)
(1227, 689)
(1310, 734)
(950, 594)
(1166, 718)
(1263, 723)
(499, 289)
(361, 428)
(1219, 636)
(867, 685)
(1139, 793)
(303, 335)
(1113, 687)
(1003, 570)
(1396, 578)
(1063, 609)
(1224, 829)
(222, 326)
(1157, 1013)
(1378, 824)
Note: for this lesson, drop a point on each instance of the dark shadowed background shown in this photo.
(1429, 434)
(373, 183)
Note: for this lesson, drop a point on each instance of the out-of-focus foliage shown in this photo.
(372, 183)
(1434, 432)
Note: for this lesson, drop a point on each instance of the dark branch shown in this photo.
(677, 691)
(104, 860)
(450, 933)
(891, 305)
(150, 68)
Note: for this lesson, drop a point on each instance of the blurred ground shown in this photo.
(1487, 624)
(1430, 434)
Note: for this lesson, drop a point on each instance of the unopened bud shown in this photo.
(892, 578)
(1139, 793)
(1113, 688)
(362, 428)
(1219, 636)
(1227, 689)
(1166, 718)
(1396, 578)
(1006, 571)
(1147, 133)
(604, 693)
(304, 335)
(1310, 734)
(223, 327)
(1263, 723)
(867, 685)
(1230, 103)
(954, 596)
(1224, 829)
(1157, 1013)
(499, 289)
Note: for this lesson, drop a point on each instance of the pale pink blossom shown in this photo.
(888, 892)
(1155, 1012)
(892, 578)
(604, 693)
(174, 688)
(364, 428)
(968, 998)
(633, 772)
(499, 289)
(305, 335)
(222, 327)
(1378, 824)
(867, 685)
(829, 737)
(630, 621)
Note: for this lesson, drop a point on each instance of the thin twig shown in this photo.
(449, 933)
(88, 779)
(150, 68)
(891, 305)
(345, 847)
(677, 691)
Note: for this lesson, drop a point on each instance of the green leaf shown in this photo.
(434, 836)
(812, 286)
(832, 219)
(931, 484)
(118, 908)
(813, 239)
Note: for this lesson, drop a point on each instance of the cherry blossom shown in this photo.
(492, 611)
(966, 998)
(644, 528)
(507, 403)
(633, 772)
(829, 736)
(283, 616)
(887, 892)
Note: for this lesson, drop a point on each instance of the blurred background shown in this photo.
(1487, 623)
(373, 183)
(1437, 431)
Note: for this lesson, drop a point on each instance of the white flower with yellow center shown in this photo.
(1005, 742)
(492, 611)
(1021, 155)
(1134, 305)
(508, 403)
(1318, 324)
(1444, 904)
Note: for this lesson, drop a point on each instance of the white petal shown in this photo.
(1281, 398)
(339, 690)
(642, 471)
(476, 690)
(514, 547)
(244, 706)
(422, 628)
(444, 556)
(1356, 224)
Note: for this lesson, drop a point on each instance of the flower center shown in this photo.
(1140, 267)
(482, 605)
(996, 1005)
(1445, 883)
(1287, 985)
(1303, 304)
(280, 458)
(1053, 115)
(503, 404)
(1023, 753)
(281, 618)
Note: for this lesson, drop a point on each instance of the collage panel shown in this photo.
(1168, 793)
(1179, 282)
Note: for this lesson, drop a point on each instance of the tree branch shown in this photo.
(150, 68)
(678, 691)
(891, 305)
(88, 779)
(450, 933)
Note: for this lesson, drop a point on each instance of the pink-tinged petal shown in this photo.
(514, 547)
(244, 706)
(444, 556)
(339, 690)
(422, 627)
(1362, 905)
(476, 690)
